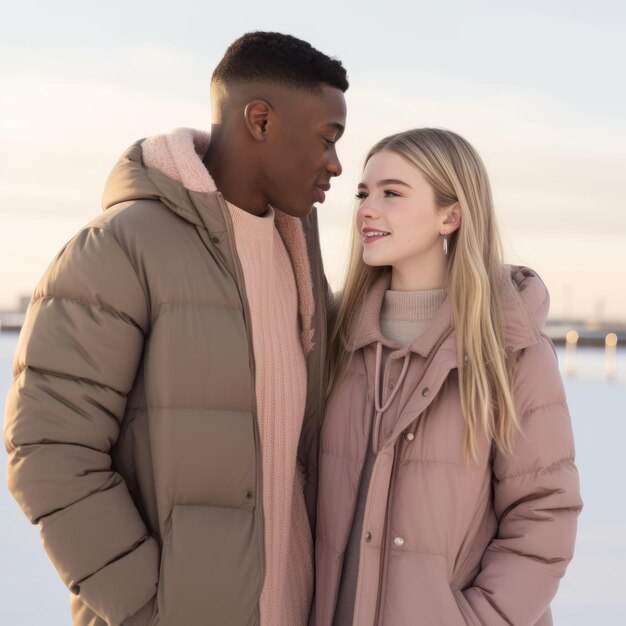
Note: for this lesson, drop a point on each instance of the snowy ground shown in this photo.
(592, 592)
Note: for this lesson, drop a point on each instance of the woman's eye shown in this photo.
(391, 194)
(361, 195)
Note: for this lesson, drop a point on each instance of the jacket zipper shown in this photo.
(319, 287)
(321, 328)
(384, 560)
(255, 423)
(384, 556)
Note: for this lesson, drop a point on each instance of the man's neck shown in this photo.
(233, 174)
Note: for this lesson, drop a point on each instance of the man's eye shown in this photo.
(329, 142)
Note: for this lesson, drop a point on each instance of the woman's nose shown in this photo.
(366, 210)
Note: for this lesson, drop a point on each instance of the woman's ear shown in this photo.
(451, 218)
(256, 115)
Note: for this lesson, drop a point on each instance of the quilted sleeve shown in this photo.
(536, 499)
(76, 361)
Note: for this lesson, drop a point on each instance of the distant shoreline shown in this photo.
(555, 331)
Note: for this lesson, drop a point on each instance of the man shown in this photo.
(170, 368)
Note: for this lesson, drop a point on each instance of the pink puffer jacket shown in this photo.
(445, 542)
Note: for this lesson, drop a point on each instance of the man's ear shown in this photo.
(257, 118)
(451, 218)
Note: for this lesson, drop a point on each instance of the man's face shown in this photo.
(300, 157)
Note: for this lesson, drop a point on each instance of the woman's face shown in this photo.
(398, 219)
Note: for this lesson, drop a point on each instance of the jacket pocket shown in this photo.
(210, 567)
(143, 617)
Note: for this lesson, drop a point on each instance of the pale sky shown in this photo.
(538, 87)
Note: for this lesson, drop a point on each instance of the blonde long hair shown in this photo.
(475, 273)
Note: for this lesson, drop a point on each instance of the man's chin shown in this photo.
(299, 212)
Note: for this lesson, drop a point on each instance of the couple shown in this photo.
(191, 406)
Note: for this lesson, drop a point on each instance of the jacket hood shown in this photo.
(525, 306)
(166, 168)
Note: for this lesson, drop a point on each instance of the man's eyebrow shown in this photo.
(387, 181)
(336, 126)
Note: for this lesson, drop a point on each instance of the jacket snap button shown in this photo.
(392, 385)
(368, 536)
(215, 239)
(425, 391)
(398, 542)
(409, 436)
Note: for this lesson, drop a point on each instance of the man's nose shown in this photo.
(334, 165)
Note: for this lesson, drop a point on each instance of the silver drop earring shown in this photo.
(445, 244)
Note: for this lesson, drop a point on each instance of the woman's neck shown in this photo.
(418, 277)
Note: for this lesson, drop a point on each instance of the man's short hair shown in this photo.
(274, 57)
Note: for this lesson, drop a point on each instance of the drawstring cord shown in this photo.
(377, 393)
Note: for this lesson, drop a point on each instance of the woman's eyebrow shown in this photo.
(387, 181)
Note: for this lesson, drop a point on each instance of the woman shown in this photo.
(448, 490)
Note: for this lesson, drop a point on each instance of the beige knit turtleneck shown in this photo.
(405, 314)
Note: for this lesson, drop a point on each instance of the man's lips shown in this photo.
(320, 192)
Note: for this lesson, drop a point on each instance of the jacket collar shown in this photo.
(367, 329)
(525, 304)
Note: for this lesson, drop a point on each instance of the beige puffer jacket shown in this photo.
(131, 422)
(443, 542)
